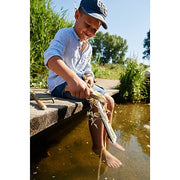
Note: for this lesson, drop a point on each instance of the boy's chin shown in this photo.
(83, 38)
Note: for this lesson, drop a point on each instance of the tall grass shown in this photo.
(44, 23)
(133, 83)
(107, 71)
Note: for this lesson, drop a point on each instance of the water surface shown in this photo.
(65, 152)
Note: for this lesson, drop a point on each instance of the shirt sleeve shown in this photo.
(89, 70)
(56, 47)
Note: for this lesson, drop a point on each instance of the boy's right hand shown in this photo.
(76, 85)
(78, 89)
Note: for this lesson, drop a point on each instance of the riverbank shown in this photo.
(61, 109)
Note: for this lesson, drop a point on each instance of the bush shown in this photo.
(134, 85)
(44, 23)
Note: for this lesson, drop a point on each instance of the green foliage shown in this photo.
(108, 48)
(44, 23)
(147, 46)
(107, 71)
(133, 83)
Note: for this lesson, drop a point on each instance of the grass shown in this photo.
(44, 23)
(107, 71)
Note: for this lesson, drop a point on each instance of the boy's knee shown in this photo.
(110, 102)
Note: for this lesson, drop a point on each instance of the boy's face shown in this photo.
(86, 26)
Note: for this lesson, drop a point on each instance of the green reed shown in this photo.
(44, 23)
(134, 85)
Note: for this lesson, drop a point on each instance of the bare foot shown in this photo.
(118, 146)
(110, 160)
(107, 158)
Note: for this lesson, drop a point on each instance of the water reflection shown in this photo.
(133, 119)
(66, 151)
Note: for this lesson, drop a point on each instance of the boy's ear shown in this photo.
(77, 14)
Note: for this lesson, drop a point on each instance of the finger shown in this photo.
(86, 80)
(92, 84)
(91, 91)
(82, 95)
(86, 92)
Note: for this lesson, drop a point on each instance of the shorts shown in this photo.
(59, 91)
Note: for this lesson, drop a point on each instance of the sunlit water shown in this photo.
(65, 152)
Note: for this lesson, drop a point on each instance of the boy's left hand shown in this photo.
(89, 79)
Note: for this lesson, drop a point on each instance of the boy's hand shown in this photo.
(76, 85)
(89, 79)
(78, 88)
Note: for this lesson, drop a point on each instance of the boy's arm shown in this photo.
(76, 86)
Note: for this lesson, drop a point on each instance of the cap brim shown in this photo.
(97, 16)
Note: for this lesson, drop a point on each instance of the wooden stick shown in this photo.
(40, 104)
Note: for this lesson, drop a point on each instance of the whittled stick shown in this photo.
(40, 104)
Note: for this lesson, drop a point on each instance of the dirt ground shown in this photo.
(107, 83)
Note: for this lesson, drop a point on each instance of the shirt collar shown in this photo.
(74, 33)
(77, 37)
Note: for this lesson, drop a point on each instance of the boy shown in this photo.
(68, 59)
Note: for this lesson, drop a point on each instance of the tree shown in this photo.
(108, 48)
(147, 46)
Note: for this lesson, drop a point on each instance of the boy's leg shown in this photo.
(99, 136)
(110, 106)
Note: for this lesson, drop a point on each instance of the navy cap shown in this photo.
(96, 9)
